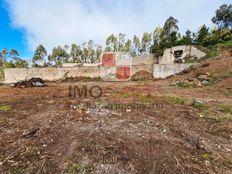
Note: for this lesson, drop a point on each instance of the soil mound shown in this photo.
(142, 75)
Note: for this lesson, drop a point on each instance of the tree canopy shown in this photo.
(223, 17)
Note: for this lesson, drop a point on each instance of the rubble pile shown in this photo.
(33, 82)
(141, 76)
(203, 79)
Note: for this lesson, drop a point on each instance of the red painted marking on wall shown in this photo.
(123, 73)
(108, 59)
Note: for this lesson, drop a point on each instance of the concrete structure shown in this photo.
(167, 66)
(166, 70)
(178, 53)
(72, 65)
(144, 60)
(52, 74)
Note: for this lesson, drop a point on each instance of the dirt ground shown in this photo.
(157, 130)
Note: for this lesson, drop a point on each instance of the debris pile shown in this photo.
(203, 79)
(33, 82)
(141, 76)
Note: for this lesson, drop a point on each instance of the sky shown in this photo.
(24, 24)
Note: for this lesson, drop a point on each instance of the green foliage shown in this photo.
(136, 45)
(5, 108)
(17, 63)
(175, 100)
(39, 55)
(205, 156)
(76, 53)
(223, 17)
(198, 104)
(170, 26)
(74, 168)
(187, 39)
(111, 43)
(182, 84)
(215, 78)
(146, 42)
(169, 34)
(202, 34)
(226, 108)
(121, 41)
(9, 54)
(59, 55)
(215, 50)
(11, 59)
(128, 46)
(217, 36)
(165, 37)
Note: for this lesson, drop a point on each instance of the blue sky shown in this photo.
(24, 24)
(11, 37)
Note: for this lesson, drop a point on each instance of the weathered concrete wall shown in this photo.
(166, 70)
(143, 60)
(14, 74)
(72, 65)
(168, 56)
(139, 63)
(137, 68)
(51, 74)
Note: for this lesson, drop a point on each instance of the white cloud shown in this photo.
(59, 22)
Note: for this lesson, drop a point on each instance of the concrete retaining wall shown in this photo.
(52, 74)
(144, 60)
(169, 58)
(166, 70)
(137, 68)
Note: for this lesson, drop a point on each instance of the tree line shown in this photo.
(150, 43)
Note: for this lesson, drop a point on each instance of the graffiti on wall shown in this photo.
(116, 66)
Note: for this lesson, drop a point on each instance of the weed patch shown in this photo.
(5, 108)
(198, 104)
(226, 108)
(175, 100)
(219, 77)
(73, 168)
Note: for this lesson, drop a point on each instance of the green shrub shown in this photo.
(175, 100)
(226, 108)
(181, 84)
(215, 50)
(205, 156)
(219, 77)
(218, 36)
(198, 104)
(73, 168)
(5, 108)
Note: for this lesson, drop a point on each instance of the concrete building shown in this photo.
(179, 53)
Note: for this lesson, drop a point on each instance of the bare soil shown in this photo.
(46, 131)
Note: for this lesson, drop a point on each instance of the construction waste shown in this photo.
(33, 82)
